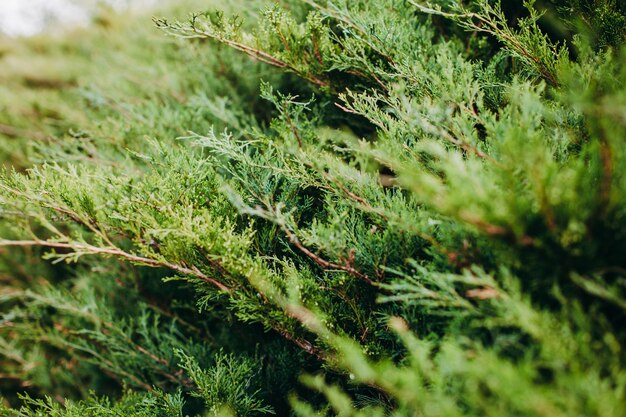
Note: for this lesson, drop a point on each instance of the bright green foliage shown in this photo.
(418, 208)
(229, 384)
(131, 405)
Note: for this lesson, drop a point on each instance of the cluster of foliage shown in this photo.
(344, 207)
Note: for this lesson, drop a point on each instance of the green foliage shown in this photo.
(132, 405)
(418, 205)
(603, 19)
(228, 385)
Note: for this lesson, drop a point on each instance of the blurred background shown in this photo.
(29, 17)
(83, 82)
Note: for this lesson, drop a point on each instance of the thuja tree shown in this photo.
(394, 208)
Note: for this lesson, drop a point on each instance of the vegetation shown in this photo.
(315, 208)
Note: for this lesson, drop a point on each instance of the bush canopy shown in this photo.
(355, 208)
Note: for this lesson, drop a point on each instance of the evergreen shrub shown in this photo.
(318, 208)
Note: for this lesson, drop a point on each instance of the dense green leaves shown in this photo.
(418, 205)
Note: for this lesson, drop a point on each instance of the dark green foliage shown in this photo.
(415, 208)
(604, 19)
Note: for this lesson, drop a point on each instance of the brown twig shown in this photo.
(114, 251)
(293, 239)
(303, 344)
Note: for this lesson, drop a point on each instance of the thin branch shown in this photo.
(293, 239)
(114, 251)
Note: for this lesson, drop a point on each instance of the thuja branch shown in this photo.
(363, 34)
(80, 249)
(193, 31)
(493, 22)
